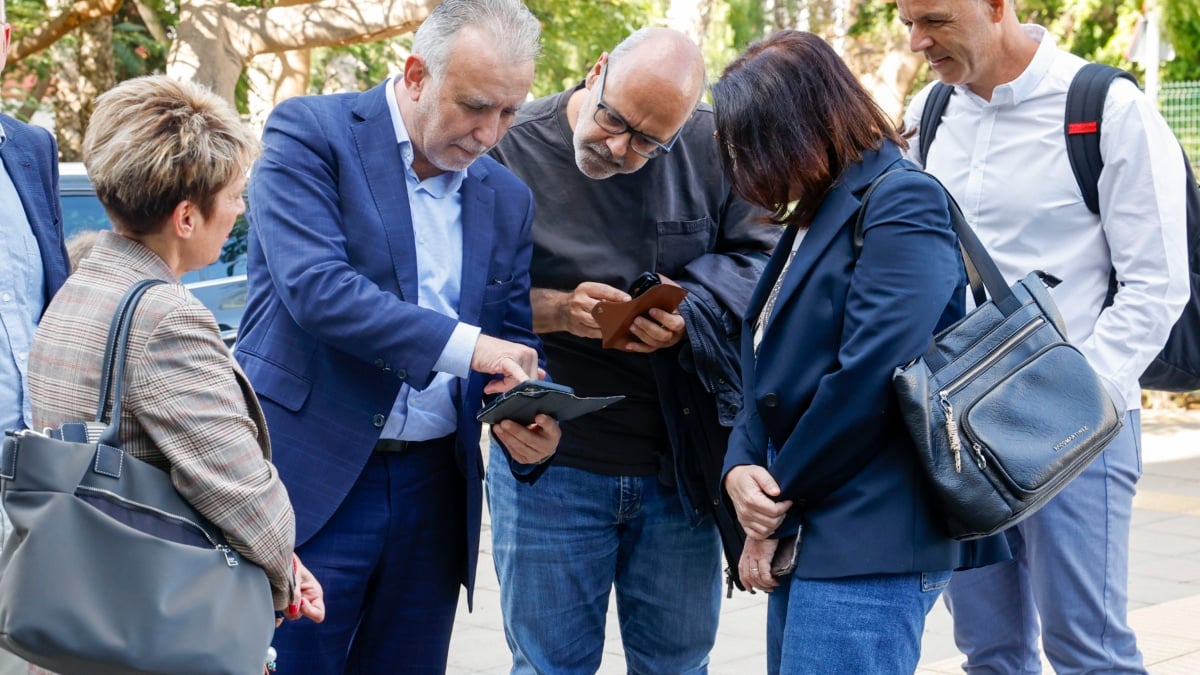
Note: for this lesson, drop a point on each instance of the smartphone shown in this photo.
(644, 282)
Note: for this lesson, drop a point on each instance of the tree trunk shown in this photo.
(891, 82)
(70, 15)
(228, 36)
(274, 78)
(690, 17)
(85, 70)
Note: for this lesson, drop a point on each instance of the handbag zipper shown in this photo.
(954, 385)
(230, 557)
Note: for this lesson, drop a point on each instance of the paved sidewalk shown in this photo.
(1164, 582)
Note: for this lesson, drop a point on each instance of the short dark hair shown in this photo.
(790, 117)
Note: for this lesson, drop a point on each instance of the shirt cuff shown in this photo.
(456, 356)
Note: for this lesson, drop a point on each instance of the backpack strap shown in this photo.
(1085, 108)
(931, 117)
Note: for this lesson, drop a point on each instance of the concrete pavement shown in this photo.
(1164, 584)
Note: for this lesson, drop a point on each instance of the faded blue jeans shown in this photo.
(851, 625)
(563, 543)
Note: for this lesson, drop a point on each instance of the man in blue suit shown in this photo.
(35, 261)
(388, 283)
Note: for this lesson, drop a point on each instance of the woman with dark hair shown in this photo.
(820, 455)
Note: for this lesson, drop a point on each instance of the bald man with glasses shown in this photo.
(627, 181)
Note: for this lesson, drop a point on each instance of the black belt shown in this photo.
(391, 445)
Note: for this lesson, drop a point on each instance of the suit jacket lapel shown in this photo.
(383, 166)
(478, 206)
(23, 169)
(839, 207)
(19, 163)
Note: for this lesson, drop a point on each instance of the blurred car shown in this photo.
(221, 286)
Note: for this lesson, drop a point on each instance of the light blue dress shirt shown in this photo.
(22, 298)
(436, 206)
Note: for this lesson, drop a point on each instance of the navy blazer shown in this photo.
(820, 391)
(332, 328)
(30, 157)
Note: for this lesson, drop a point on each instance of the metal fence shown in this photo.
(1179, 103)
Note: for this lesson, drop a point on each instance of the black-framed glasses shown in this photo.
(612, 123)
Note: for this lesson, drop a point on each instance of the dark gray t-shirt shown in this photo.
(677, 208)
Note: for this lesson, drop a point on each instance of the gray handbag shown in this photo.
(1003, 410)
(108, 569)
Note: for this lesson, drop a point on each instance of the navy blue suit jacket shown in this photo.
(332, 328)
(30, 157)
(820, 388)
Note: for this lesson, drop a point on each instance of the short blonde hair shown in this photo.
(154, 142)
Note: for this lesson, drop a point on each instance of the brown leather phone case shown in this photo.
(616, 317)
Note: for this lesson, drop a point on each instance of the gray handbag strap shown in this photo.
(112, 375)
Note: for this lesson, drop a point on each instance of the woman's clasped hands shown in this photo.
(754, 493)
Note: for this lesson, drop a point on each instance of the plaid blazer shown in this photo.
(188, 407)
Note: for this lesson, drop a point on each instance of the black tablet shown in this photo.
(524, 401)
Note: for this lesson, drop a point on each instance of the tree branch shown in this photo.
(153, 24)
(79, 13)
(330, 23)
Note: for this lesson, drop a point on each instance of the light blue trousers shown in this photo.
(1069, 573)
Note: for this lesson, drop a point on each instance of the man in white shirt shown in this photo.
(1001, 151)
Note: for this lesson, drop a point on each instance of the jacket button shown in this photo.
(402, 374)
(379, 363)
(771, 400)
(378, 421)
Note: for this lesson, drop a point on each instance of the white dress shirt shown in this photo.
(1005, 161)
(436, 207)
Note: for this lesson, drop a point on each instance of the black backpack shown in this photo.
(1177, 366)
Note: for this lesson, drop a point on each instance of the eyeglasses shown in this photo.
(612, 123)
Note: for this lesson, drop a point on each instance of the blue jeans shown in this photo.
(561, 544)
(1069, 570)
(851, 625)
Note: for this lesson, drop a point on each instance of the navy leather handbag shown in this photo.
(1003, 410)
(108, 569)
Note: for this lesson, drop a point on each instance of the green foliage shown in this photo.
(24, 15)
(873, 18)
(747, 22)
(1181, 26)
(574, 34)
(375, 60)
(135, 52)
